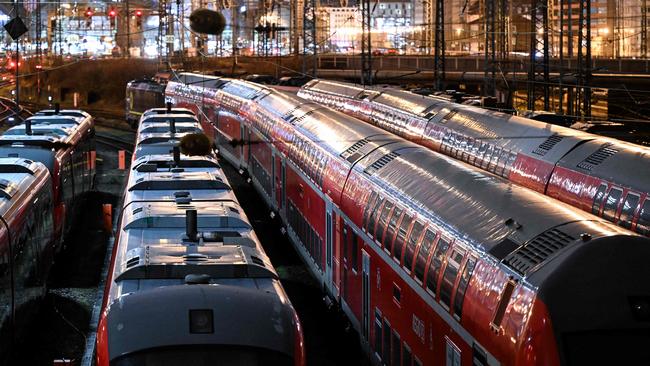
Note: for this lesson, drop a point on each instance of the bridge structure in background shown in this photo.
(470, 69)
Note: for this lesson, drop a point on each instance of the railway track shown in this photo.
(114, 142)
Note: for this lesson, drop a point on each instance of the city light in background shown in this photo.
(398, 27)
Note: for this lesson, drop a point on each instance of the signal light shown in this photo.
(138, 18)
(111, 17)
(89, 19)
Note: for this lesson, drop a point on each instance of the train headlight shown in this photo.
(201, 321)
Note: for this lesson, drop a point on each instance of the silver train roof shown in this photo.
(17, 176)
(588, 153)
(165, 163)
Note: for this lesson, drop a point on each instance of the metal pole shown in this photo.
(128, 29)
(17, 96)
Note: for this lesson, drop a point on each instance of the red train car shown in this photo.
(434, 261)
(184, 242)
(27, 244)
(65, 144)
(604, 176)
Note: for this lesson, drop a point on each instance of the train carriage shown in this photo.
(27, 244)
(436, 262)
(184, 241)
(585, 170)
(65, 144)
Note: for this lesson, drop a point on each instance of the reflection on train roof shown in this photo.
(156, 111)
(165, 162)
(165, 127)
(63, 112)
(39, 131)
(53, 120)
(169, 117)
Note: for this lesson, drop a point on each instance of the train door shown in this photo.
(245, 145)
(365, 296)
(278, 172)
(329, 241)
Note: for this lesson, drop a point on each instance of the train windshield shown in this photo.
(204, 356)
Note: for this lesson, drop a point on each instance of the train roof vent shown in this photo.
(547, 145)
(349, 154)
(529, 256)
(597, 157)
(381, 162)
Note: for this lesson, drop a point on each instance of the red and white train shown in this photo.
(189, 283)
(46, 164)
(433, 261)
(601, 175)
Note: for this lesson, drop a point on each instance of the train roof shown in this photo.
(17, 176)
(257, 319)
(501, 220)
(165, 127)
(165, 162)
(174, 110)
(159, 138)
(176, 180)
(178, 186)
(55, 120)
(60, 131)
(169, 117)
(63, 112)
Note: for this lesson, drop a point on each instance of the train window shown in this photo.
(598, 199)
(643, 223)
(436, 263)
(423, 254)
(383, 221)
(369, 205)
(372, 216)
(449, 276)
(495, 159)
(398, 246)
(487, 157)
(397, 351)
(346, 254)
(410, 245)
(355, 250)
(378, 333)
(627, 212)
(508, 289)
(407, 358)
(611, 203)
(479, 357)
(386, 343)
(392, 226)
(462, 286)
(397, 294)
(452, 354)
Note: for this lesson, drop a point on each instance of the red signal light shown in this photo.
(89, 12)
(138, 13)
(112, 13)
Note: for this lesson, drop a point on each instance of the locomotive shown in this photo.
(189, 282)
(433, 261)
(601, 175)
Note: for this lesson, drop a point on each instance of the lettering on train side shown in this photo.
(418, 327)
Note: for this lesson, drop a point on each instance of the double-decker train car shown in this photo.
(601, 175)
(189, 282)
(434, 261)
(65, 144)
(27, 244)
